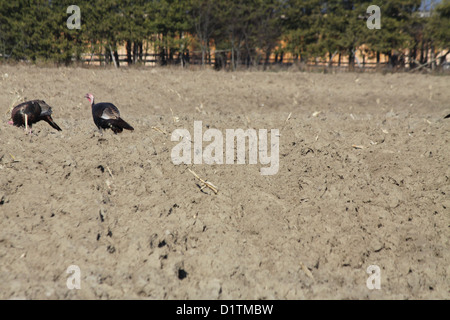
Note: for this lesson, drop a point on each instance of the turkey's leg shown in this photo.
(26, 123)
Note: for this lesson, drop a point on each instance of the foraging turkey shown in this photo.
(106, 115)
(30, 112)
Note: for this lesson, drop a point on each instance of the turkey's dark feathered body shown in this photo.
(106, 115)
(36, 110)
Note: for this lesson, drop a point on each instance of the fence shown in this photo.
(221, 60)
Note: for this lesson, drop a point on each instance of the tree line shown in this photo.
(242, 32)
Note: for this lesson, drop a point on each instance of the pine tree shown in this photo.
(438, 30)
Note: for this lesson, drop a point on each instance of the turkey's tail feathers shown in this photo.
(50, 121)
(117, 125)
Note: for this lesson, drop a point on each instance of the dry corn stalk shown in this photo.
(204, 183)
(159, 130)
(306, 270)
(14, 158)
(175, 119)
(110, 173)
(286, 121)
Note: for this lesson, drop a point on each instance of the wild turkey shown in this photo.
(30, 112)
(106, 115)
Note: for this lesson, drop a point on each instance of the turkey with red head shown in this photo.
(30, 112)
(106, 115)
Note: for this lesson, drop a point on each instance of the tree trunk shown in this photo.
(238, 58)
(209, 55)
(412, 57)
(181, 50)
(443, 58)
(128, 47)
(433, 63)
(233, 65)
(351, 60)
(203, 55)
(116, 57)
(162, 57)
(266, 60)
(135, 52)
(112, 53)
